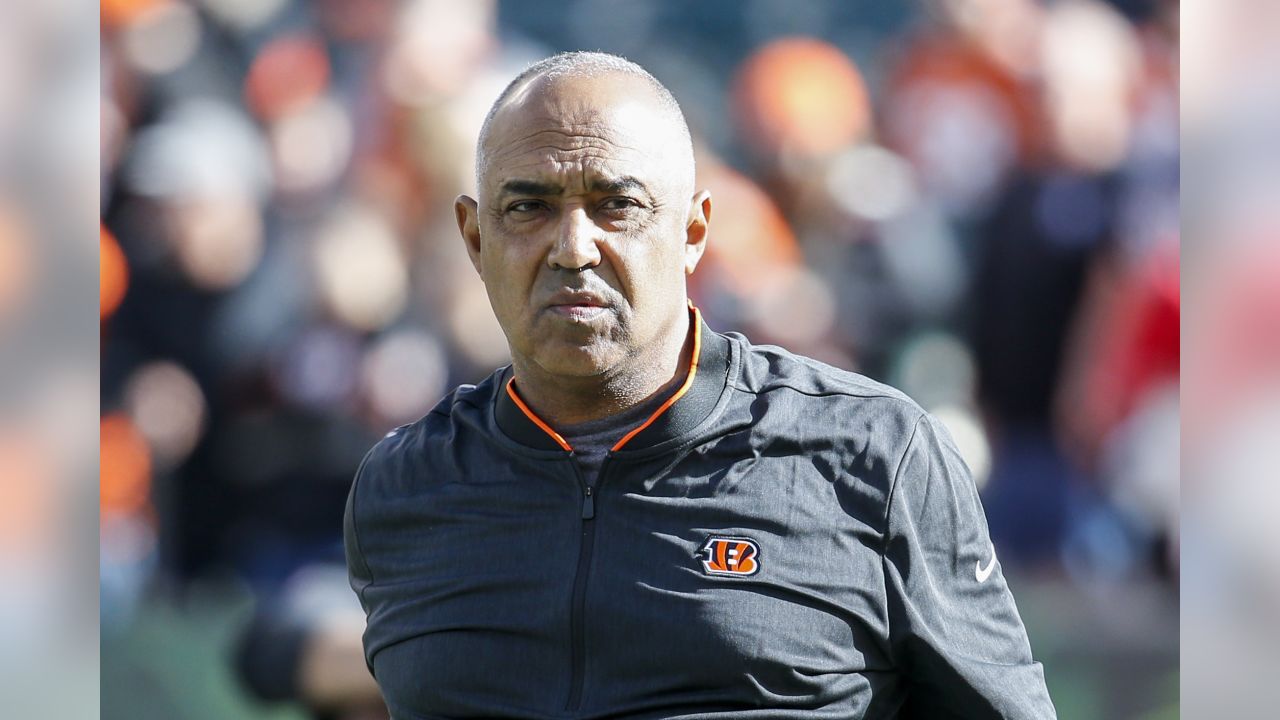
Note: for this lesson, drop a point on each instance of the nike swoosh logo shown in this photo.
(982, 573)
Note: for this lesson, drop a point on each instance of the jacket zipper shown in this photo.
(577, 636)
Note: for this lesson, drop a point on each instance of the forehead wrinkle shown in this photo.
(546, 154)
(559, 141)
(558, 163)
(598, 176)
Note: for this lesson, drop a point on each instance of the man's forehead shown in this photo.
(566, 159)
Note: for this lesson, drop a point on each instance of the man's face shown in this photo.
(586, 224)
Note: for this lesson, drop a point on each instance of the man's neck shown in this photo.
(561, 400)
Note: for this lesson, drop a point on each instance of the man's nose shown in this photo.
(577, 246)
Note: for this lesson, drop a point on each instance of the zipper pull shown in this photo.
(588, 505)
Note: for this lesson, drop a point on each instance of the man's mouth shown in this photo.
(580, 313)
(577, 305)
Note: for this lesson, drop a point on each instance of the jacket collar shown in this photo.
(688, 406)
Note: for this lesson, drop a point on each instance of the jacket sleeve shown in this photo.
(358, 572)
(954, 629)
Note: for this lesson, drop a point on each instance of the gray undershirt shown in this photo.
(592, 439)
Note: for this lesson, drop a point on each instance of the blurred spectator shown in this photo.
(961, 104)
(1055, 223)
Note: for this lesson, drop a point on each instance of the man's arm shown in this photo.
(955, 631)
(305, 646)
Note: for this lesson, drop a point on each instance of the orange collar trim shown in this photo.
(511, 390)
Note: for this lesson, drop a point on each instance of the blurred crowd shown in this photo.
(974, 200)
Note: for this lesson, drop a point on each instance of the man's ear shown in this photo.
(468, 215)
(696, 230)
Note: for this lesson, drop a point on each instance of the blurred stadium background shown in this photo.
(974, 200)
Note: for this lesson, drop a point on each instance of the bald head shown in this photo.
(587, 77)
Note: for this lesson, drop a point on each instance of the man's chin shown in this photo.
(578, 361)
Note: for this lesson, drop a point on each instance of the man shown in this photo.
(642, 518)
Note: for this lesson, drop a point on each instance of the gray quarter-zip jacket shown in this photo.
(783, 540)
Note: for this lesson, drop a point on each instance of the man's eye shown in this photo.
(525, 206)
(618, 203)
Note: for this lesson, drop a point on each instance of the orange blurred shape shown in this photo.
(16, 260)
(289, 72)
(117, 13)
(113, 273)
(125, 467)
(26, 487)
(804, 95)
(945, 64)
(359, 20)
(752, 243)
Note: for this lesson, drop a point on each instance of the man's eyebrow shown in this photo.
(619, 185)
(536, 188)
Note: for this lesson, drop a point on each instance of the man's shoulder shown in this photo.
(770, 369)
(413, 444)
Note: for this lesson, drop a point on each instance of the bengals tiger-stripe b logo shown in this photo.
(730, 556)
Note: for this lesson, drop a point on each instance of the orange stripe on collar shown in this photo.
(511, 390)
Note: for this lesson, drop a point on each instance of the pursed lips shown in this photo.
(577, 305)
